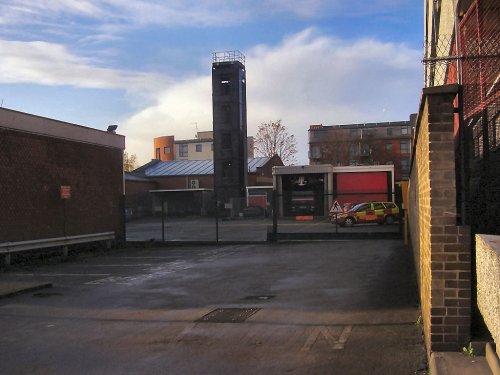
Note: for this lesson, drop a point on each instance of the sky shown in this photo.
(145, 65)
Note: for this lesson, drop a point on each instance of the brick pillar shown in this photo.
(442, 247)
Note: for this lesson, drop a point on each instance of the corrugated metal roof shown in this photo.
(129, 176)
(254, 163)
(194, 167)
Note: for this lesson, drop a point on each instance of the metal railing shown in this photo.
(228, 56)
(8, 248)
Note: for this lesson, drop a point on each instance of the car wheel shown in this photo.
(349, 222)
(389, 220)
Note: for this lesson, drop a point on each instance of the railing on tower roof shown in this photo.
(228, 56)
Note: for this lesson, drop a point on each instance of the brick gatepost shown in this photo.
(442, 249)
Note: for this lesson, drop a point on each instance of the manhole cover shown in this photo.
(258, 298)
(230, 315)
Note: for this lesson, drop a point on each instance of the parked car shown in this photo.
(369, 212)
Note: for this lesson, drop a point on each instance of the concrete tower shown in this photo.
(230, 126)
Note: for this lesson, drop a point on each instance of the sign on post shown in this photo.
(335, 209)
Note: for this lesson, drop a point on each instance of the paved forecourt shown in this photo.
(340, 307)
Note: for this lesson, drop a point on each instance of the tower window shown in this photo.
(225, 86)
(226, 141)
(227, 170)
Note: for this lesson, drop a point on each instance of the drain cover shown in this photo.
(230, 315)
(258, 298)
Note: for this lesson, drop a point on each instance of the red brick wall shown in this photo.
(32, 169)
(182, 182)
(133, 187)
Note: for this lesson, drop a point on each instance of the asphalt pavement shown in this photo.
(337, 307)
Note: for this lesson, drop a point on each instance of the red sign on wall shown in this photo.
(65, 192)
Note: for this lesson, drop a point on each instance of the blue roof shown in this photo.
(194, 167)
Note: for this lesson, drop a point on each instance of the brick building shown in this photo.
(363, 144)
(190, 181)
(38, 156)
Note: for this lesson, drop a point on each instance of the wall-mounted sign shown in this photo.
(65, 192)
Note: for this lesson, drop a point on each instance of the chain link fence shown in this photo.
(471, 58)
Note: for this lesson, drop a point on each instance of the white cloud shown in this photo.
(53, 65)
(307, 79)
(198, 13)
(178, 111)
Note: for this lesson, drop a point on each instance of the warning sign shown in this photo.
(335, 209)
(65, 192)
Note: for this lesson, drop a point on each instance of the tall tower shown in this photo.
(230, 125)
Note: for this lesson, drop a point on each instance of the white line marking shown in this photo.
(327, 334)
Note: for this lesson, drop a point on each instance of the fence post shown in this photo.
(216, 219)
(162, 219)
(275, 215)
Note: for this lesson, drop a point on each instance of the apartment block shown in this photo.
(382, 143)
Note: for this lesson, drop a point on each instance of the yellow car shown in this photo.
(369, 212)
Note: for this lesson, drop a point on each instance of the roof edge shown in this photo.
(29, 123)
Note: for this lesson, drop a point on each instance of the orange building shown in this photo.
(164, 148)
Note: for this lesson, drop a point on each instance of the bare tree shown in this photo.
(129, 162)
(273, 139)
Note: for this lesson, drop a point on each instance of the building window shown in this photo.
(389, 132)
(404, 147)
(166, 150)
(388, 146)
(157, 154)
(198, 148)
(405, 130)
(183, 150)
(353, 149)
(315, 152)
(405, 164)
(405, 177)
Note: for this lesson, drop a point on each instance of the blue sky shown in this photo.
(146, 65)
